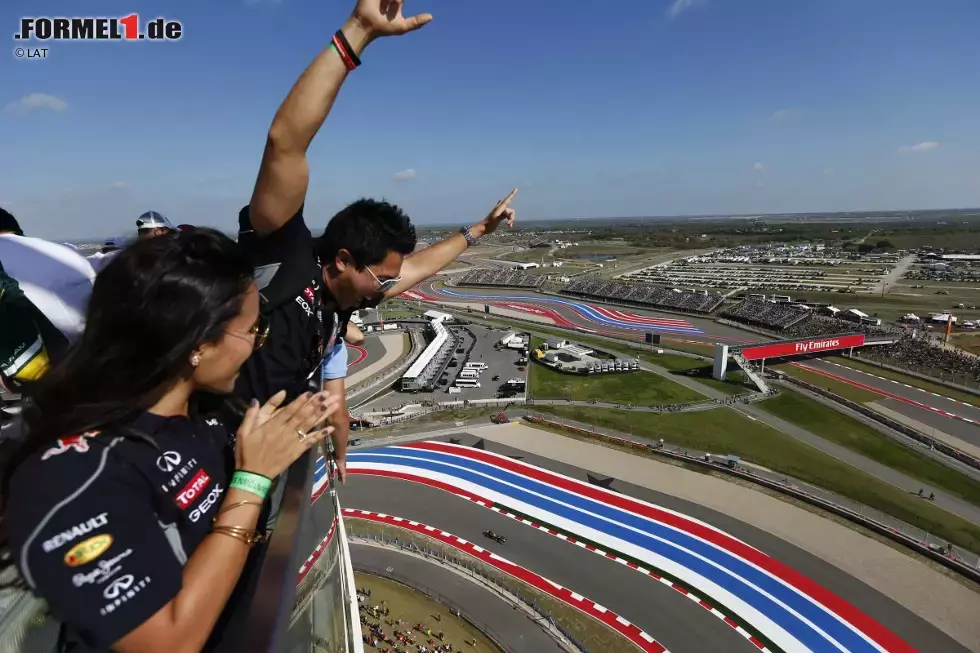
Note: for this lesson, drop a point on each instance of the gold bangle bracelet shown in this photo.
(237, 504)
(245, 535)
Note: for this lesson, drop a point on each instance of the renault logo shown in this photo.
(169, 461)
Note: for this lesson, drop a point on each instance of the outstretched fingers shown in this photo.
(417, 22)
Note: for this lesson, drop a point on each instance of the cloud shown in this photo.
(407, 174)
(759, 167)
(36, 101)
(924, 146)
(829, 171)
(678, 7)
(785, 114)
(119, 184)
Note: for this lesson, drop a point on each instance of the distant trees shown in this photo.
(884, 245)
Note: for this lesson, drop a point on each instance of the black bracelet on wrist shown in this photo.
(350, 51)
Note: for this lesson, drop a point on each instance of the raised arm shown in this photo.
(421, 265)
(284, 175)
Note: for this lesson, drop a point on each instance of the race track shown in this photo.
(952, 417)
(605, 320)
(743, 575)
(956, 418)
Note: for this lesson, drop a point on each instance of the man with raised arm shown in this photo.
(365, 255)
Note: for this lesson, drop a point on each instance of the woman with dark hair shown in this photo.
(130, 514)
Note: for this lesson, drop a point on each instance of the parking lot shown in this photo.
(502, 364)
(477, 343)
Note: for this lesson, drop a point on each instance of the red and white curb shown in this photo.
(317, 552)
(565, 595)
(480, 501)
(911, 387)
(643, 570)
(885, 393)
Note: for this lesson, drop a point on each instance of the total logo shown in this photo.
(120, 591)
(193, 489)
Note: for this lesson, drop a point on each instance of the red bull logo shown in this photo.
(77, 442)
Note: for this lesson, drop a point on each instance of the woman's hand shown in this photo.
(271, 439)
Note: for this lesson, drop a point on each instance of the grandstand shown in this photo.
(432, 361)
(796, 321)
(501, 278)
(767, 315)
(645, 295)
(922, 355)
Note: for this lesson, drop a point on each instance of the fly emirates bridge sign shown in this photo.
(802, 347)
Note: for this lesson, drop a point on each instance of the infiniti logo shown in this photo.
(118, 586)
(169, 461)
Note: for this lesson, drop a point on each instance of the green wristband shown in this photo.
(252, 483)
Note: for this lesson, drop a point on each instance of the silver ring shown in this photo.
(302, 434)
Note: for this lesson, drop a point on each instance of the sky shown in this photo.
(615, 108)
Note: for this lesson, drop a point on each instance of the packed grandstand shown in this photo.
(645, 295)
(502, 278)
(920, 354)
(796, 321)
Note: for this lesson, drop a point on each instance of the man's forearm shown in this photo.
(284, 175)
(306, 107)
(421, 265)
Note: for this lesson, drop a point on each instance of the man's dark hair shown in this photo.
(368, 229)
(9, 223)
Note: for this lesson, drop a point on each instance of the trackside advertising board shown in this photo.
(801, 347)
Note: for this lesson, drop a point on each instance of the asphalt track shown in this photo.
(954, 417)
(517, 632)
(356, 355)
(615, 321)
(681, 625)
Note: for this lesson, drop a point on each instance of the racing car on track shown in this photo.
(499, 539)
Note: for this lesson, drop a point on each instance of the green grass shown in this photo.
(845, 430)
(595, 635)
(845, 390)
(638, 388)
(684, 365)
(910, 380)
(391, 315)
(725, 431)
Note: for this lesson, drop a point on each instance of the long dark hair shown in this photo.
(151, 306)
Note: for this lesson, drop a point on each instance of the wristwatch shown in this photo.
(468, 235)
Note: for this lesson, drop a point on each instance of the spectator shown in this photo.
(152, 224)
(107, 252)
(56, 279)
(117, 467)
(310, 287)
(23, 353)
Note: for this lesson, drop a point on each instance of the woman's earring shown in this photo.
(195, 360)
